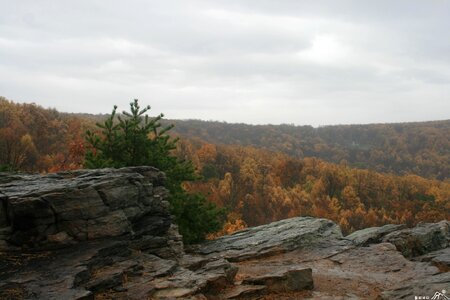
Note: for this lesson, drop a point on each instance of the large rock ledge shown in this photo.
(56, 210)
(278, 237)
(108, 234)
(97, 233)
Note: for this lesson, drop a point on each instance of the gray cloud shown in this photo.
(302, 62)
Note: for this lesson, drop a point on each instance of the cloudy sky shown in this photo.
(251, 61)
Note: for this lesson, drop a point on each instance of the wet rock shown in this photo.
(86, 233)
(47, 275)
(426, 287)
(341, 272)
(372, 235)
(210, 279)
(219, 274)
(57, 210)
(245, 292)
(277, 237)
(61, 239)
(440, 258)
(290, 281)
(422, 239)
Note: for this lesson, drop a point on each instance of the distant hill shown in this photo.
(421, 148)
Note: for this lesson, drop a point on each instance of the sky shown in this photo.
(247, 61)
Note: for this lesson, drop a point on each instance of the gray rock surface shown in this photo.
(57, 210)
(108, 268)
(440, 258)
(245, 292)
(288, 281)
(427, 287)
(277, 237)
(422, 239)
(106, 233)
(372, 235)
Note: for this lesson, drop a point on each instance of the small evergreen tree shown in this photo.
(134, 139)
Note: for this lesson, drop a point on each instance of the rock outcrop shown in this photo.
(422, 239)
(411, 242)
(76, 235)
(289, 281)
(57, 210)
(425, 288)
(439, 258)
(108, 234)
(278, 237)
(373, 235)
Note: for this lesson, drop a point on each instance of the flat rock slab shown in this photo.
(342, 273)
(110, 269)
(277, 237)
(440, 259)
(245, 292)
(290, 281)
(437, 285)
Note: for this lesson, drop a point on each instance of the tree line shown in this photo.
(402, 148)
(35, 139)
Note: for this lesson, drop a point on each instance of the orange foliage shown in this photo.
(36, 139)
(261, 187)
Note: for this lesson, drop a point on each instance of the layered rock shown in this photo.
(422, 239)
(439, 258)
(289, 281)
(411, 242)
(277, 237)
(373, 235)
(56, 210)
(76, 235)
(359, 266)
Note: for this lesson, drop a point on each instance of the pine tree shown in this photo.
(135, 139)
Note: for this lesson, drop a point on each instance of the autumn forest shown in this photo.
(356, 175)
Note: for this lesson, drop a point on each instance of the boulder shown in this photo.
(372, 235)
(57, 210)
(422, 239)
(210, 279)
(277, 237)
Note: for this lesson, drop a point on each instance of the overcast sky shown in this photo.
(260, 61)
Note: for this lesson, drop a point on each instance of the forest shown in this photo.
(401, 148)
(260, 186)
(356, 175)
